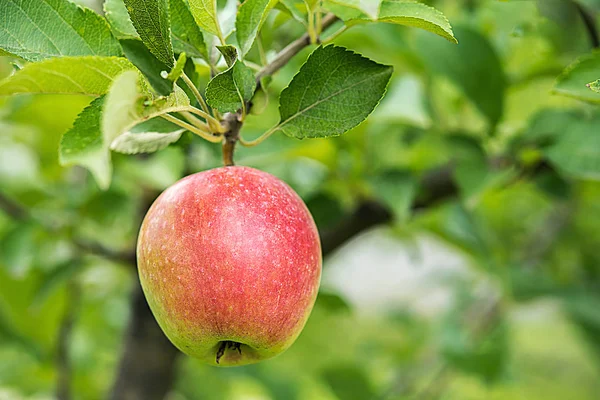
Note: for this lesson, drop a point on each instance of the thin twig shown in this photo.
(335, 35)
(261, 138)
(196, 93)
(213, 122)
(197, 131)
(197, 122)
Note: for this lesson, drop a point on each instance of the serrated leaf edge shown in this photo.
(282, 123)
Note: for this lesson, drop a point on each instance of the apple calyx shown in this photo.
(228, 344)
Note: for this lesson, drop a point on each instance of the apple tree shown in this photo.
(476, 139)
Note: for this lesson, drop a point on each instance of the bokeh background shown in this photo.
(460, 224)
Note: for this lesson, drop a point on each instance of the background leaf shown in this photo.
(205, 14)
(117, 16)
(295, 8)
(250, 18)
(39, 29)
(151, 20)
(573, 81)
(577, 150)
(474, 66)
(396, 189)
(82, 144)
(187, 37)
(369, 7)
(348, 383)
(333, 92)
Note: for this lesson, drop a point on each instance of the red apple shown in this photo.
(230, 263)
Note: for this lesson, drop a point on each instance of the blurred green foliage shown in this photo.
(525, 219)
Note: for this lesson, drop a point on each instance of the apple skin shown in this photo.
(230, 263)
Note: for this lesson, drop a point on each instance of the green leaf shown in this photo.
(187, 37)
(151, 20)
(126, 105)
(228, 91)
(548, 125)
(335, 90)
(369, 7)
(177, 69)
(226, 16)
(260, 100)
(397, 190)
(577, 150)
(117, 16)
(417, 15)
(485, 357)
(205, 14)
(147, 137)
(88, 75)
(332, 302)
(82, 144)
(573, 81)
(349, 383)
(250, 18)
(53, 280)
(473, 66)
(595, 86)
(39, 29)
(402, 12)
(295, 8)
(18, 249)
(185, 34)
(229, 54)
(584, 310)
(9, 333)
(149, 65)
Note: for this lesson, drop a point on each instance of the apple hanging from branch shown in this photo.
(230, 263)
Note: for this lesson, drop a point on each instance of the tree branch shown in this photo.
(63, 362)
(367, 215)
(20, 213)
(147, 367)
(292, 49)
(12, 209)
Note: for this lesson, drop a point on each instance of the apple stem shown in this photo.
(232, 135)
